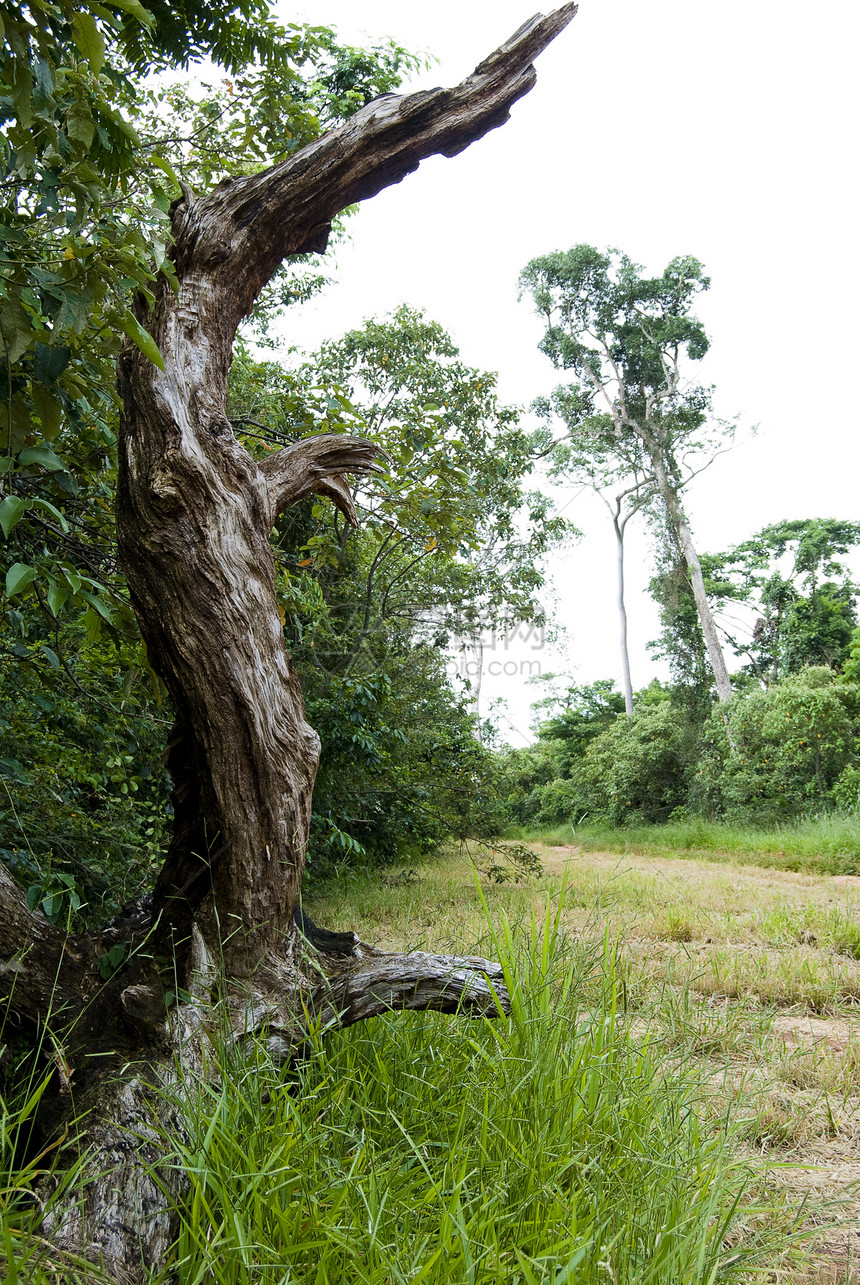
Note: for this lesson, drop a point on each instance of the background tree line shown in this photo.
(782, 737)
(774, 752)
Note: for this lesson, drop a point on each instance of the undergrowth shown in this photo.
(582, 1139)
(30, 1182)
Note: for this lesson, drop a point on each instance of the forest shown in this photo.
(232, 746)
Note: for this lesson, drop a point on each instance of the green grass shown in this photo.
(601, 1133)
(825, 845)
(25, 1257)
(551, 1146)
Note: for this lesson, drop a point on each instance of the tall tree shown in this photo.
(195, 512)
(592, 455)
(462, 460)
(625, 336)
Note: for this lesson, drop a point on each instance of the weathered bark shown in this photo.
(195, 510)
(194, 514)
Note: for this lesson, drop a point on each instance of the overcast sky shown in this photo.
(727, 131)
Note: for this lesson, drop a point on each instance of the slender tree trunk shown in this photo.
(222, 928)
(679, 524)
(626, 681)
(478, 652)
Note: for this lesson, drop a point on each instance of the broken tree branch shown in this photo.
(317, 464)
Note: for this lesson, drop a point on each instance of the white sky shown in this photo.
(727, 131)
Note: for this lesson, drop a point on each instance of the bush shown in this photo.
(637, 769)
(401, 768)
(846, 791)
(781, 752)
(83, 790)
(523, 774)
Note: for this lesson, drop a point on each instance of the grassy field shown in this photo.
(673, 1101)
(741, 977)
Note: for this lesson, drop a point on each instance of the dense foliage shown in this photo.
(784, 598)
(777, 753)
(93, 155)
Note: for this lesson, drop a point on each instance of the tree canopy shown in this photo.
(93, 156)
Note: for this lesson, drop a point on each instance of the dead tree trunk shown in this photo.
(194, 514)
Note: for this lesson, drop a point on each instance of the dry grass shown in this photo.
(751, 973)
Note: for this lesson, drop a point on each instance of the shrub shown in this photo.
(781, 752)
(846, 791)
(637, 769)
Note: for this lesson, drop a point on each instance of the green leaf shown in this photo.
(44, 81)
(57, 597)
(101, 607)
(52, 905)
(18, 577)
(54, 512)
(12, 510)
(75, 310)
(80, 125)
(136, 9)
(89, 40)
(141, 338)
(15, 328)
(43, 455)
(49, 362)
(22, 93)
(93, 625)
(49, 410)
(52, 659)
(164, 165)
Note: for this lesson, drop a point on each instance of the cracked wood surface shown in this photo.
(195, 510)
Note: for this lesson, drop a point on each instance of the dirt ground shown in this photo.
(774, 952)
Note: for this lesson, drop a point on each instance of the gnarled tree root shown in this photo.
(124, 1216)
